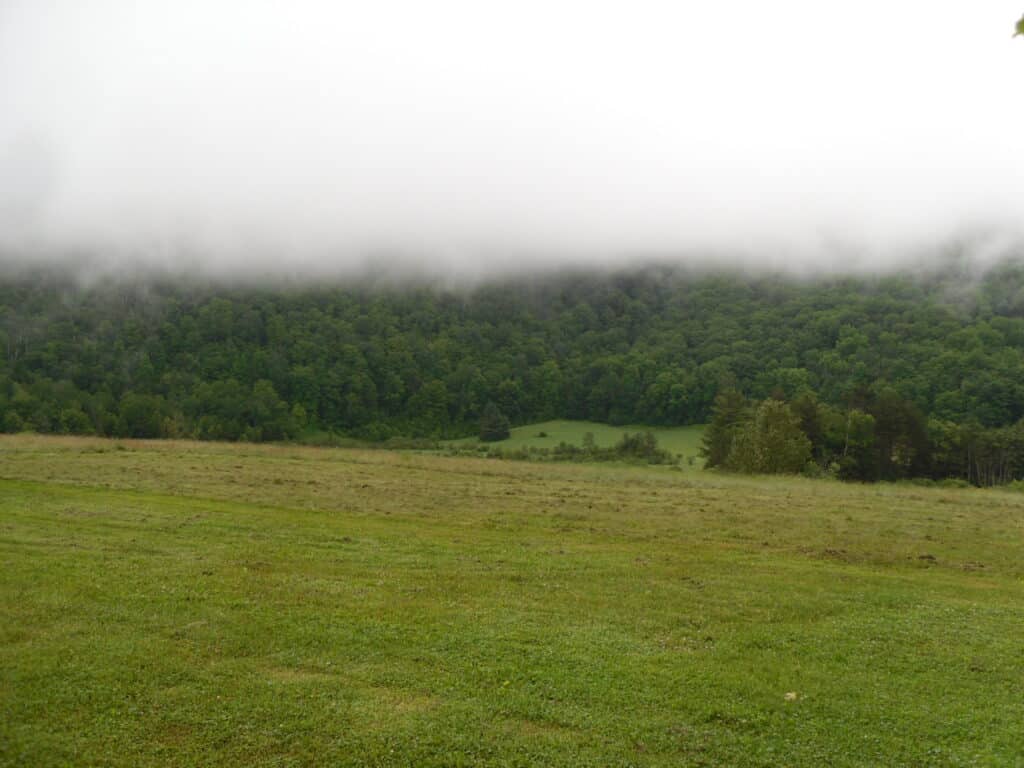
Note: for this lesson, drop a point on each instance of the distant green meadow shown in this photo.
(681, 441)
(204, 604)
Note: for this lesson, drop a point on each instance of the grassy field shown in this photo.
(682, 441)
(203, 604)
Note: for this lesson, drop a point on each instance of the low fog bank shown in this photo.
(965, 258)
(461, 142)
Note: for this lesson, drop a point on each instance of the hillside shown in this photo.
(645, 346)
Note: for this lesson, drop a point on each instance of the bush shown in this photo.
(813, 470)
(12, 422)
(642, 445)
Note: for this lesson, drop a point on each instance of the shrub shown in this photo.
(642, 445)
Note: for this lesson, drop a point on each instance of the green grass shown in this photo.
(203, 604)
(681, 441)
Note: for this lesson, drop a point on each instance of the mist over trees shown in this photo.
(884, 377)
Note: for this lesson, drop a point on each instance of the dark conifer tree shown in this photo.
(494, 425)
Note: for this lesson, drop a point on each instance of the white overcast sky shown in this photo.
(479, 132)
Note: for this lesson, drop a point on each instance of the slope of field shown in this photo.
(205, 604)
(681, 441)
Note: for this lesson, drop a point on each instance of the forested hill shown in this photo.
(653, 346)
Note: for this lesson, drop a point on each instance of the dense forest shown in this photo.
(942, 348)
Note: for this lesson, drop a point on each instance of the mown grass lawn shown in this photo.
(203, 604)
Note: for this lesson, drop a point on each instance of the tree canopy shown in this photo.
(650, 346)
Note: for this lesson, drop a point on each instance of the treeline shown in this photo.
(886, 438)
(654, 346)
(631, 448)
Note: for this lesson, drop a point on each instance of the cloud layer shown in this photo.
(483, 135)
